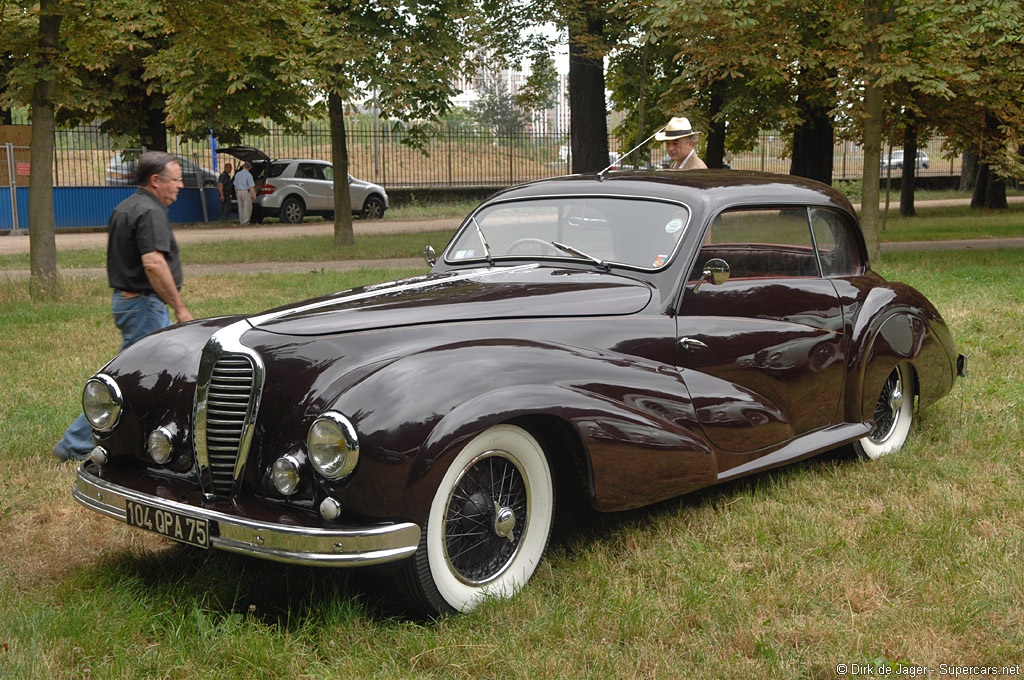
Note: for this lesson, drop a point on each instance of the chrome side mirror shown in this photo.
(716, 271)
(429, 255)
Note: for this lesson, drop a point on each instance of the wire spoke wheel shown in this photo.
(486, 517)
(893, 415)
(488, 524)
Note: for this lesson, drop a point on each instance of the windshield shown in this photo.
(635, 232)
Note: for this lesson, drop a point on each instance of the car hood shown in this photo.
(526, 292)
(248, 154)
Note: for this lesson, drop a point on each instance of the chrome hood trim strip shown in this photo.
(385, 289)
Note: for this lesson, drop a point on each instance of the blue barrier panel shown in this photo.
(22, 198)
(86, 206)
(91, 206)
(189, 209)
(6, 218)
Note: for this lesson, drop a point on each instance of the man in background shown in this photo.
(680, 140)
(143, 269)
(226, 189)
(245, 192)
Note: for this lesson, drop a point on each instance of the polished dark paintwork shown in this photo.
(588, 359)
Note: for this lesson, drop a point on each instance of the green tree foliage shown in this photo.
(53, 46)
(986, 112)
(497, 109)
(206, 67)
(737, 68)
(873, 70)
(403, 54)
(541, 88)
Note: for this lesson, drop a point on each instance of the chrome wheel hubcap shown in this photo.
(887, 410)
(504, 522)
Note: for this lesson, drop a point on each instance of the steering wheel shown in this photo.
(532, 241)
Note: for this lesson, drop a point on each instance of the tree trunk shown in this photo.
(813, 141)
(588, 124)
(156, 124)
(909, 170)
(872, 134)
(714, 156)
(969, 173)
(43, 281)
(990, 189)
(344, 234)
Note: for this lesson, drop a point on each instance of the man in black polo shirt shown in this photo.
(143, 268)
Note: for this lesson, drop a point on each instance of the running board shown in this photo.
(820, 440)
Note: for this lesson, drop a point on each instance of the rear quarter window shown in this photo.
(836, 243)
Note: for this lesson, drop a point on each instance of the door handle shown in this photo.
(691, 343)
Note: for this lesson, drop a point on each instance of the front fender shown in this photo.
(633, 418)
(632, 456)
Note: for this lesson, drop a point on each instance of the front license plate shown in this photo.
(174, 525)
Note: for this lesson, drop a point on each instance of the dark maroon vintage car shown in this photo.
(638, 335)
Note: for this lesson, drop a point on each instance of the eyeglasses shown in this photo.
(175, 180)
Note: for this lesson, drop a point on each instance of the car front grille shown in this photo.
(229, 400)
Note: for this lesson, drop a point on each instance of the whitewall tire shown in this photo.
(488, 526)
(894, 414)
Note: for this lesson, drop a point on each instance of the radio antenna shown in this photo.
(600, 175)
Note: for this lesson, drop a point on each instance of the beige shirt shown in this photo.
(691, 162)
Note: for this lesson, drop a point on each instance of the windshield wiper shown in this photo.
(579, 253)
(480, 233)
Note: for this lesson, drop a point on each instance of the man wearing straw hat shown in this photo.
(679, 140)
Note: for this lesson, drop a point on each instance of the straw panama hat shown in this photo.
(677, 128)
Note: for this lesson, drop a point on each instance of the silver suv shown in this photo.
(895, 158)
(291, 188)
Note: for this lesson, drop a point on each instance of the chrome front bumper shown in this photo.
(353, 546)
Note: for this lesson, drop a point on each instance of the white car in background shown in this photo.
(291, 188)
(895, 159)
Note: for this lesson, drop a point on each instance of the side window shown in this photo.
(276, 169)
(328, 171)
(837, 244)
(308, 171)
(760, 244)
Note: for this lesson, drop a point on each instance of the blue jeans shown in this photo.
(136, 318)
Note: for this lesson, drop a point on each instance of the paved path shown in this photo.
(13, 244)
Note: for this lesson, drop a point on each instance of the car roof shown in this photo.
(711, 190)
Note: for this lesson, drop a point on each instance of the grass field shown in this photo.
(916, 560)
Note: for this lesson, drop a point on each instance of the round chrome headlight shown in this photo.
(285, 475)
(333, 445)
(101, 403)
(159, 445)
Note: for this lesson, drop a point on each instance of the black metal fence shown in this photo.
(453, 157)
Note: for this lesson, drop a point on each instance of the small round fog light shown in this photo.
(285, 474)
(99, 456)
(330, 508)
(159, 445)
